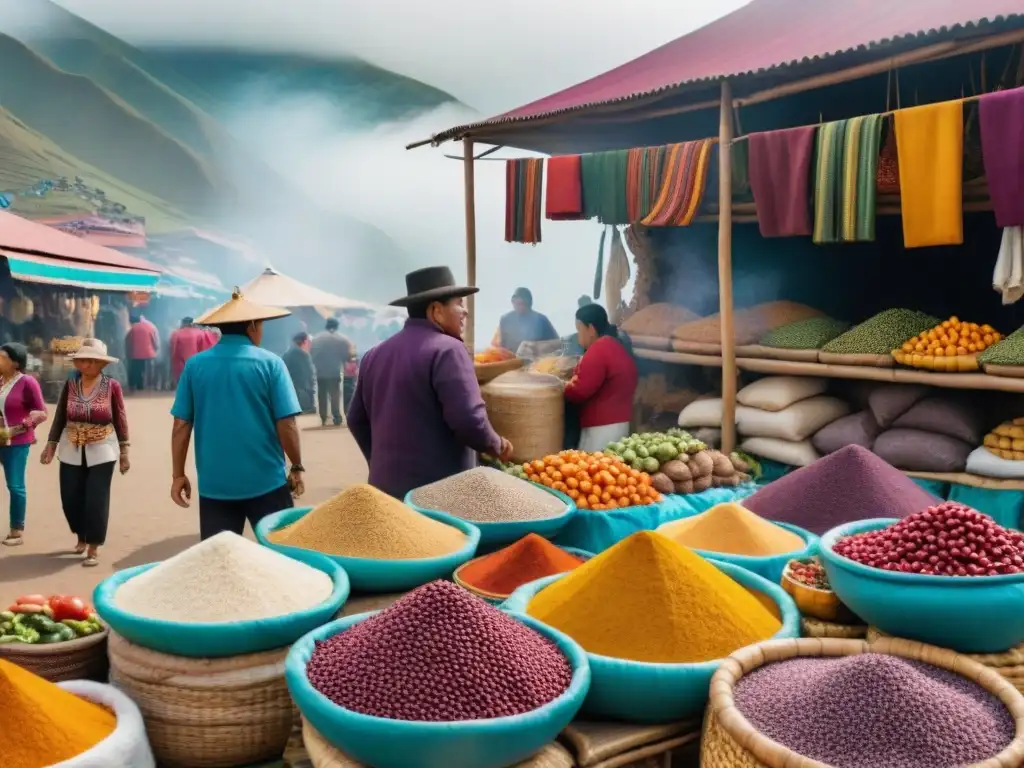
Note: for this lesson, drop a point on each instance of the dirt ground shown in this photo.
(145, 525)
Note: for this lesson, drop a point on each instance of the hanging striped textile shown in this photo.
(643, 180)
(524, 181)
(683, 181)
(845, 180)
(604, 186)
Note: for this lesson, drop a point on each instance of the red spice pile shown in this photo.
(947, 539)
(532, 557)
(439, 654)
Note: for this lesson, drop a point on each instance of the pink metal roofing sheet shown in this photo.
(763, 35)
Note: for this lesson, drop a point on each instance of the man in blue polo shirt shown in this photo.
(240, 401)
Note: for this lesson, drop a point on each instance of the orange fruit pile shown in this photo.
(593, 480)
(951, 346)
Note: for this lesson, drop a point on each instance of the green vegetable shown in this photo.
(26, 634)
(1009, 351)
(82, 628)
(665, 452)
(43, 624)
(651, 465)
(812, 333)
(7, 616)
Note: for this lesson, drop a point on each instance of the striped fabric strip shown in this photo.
(682, 186)
(643, 179)
(844, 180)
(524, 182)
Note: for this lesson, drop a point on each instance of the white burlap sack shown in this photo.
(127, 746)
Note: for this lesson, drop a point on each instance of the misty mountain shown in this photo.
(144, 125)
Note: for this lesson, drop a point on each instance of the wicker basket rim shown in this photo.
(775, 755)
(54, 649)
(794, 582)
(1011, 657)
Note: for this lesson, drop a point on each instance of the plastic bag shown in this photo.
(127, 746)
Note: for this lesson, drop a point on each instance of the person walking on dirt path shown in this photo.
(239, 400)
(330, 352)
(23, 409)
(142, 345)
(89, 435)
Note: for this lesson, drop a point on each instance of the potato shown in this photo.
(684, 487)
(677, 471)
(739, 464)
(720, 464)
(701, 464)
(662, 483)
(702, 483)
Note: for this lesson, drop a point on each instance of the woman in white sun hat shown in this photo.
(89, 436)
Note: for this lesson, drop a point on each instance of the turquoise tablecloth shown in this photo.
(597, 531)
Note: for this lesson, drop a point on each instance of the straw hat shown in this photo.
(239, 310)
(93, 349)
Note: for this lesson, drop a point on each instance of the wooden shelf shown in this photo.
(975, 381)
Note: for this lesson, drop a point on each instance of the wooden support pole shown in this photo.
(469, 179)
(725, 270)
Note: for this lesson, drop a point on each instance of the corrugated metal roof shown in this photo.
(762, 36)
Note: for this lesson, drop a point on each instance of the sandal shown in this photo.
(91, 561)
(13, 541)
(80, 548)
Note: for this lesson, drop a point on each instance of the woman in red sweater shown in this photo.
(604, 382)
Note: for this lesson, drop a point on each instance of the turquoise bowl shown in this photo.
(216, 640)
(645, 692)
(970, 614)
(370, 575)
(497, 535)
(386, 743)
(770, 567)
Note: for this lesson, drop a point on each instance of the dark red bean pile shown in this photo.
(949, 539)
(439, 654)
(850, 484)
(874, 711)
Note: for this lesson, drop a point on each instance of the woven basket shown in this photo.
(323, 755)
(207, 713)
(607, 745)
(1009, 664)
(489, 371)
(730, 741)
(817, 628)
(529, 409)
(82, 659)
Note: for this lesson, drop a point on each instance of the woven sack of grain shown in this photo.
(207, 713)
(323, 755)
(127, 746)
(528, 409)
(749, 325)
(597, 744)
(657, 320)
(793, 454)
(730, 740)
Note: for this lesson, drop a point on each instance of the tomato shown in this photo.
(69, 608)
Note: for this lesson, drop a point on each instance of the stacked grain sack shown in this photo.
(910, 427)
(777, 416)
(652, 326)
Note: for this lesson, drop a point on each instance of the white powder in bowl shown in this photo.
(226, 578)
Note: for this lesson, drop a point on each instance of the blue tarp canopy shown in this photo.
(32, 268)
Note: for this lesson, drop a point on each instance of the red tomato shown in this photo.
(69, 608)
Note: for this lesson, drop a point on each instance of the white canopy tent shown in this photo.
(272, 289)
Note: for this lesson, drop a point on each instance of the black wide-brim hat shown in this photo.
(431, 284)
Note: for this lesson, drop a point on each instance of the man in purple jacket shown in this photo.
(417, 413)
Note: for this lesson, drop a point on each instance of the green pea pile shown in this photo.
(812, 333)
(881, 334)
(1009, 351)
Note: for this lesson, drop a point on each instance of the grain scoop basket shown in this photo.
(731, 741)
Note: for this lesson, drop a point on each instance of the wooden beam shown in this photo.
(725, 308)
(469, 181)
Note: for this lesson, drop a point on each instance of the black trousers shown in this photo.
(348, 389)
(329, 388)
(85, 496)
(137, 374)
(219, 515)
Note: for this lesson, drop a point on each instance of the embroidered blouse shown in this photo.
(18, 398)
(102, 407)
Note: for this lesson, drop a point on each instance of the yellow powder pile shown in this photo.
(732, 529)
(364, 522)
(651, 599)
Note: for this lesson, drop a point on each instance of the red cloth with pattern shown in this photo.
(103, 405)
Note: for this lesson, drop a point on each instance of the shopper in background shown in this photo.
(142, 345)
(330, 351)
(88, 435)
(185, 342)
(23, 409)
(300, 367)
(522, 324)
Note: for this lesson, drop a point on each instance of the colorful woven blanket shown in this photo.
(845, 180)
(930, 144)
(682, 184)
(564, 198)
(524, 182)
(643, 180)
(1002, 147)
(780, 178)
(604, 186)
